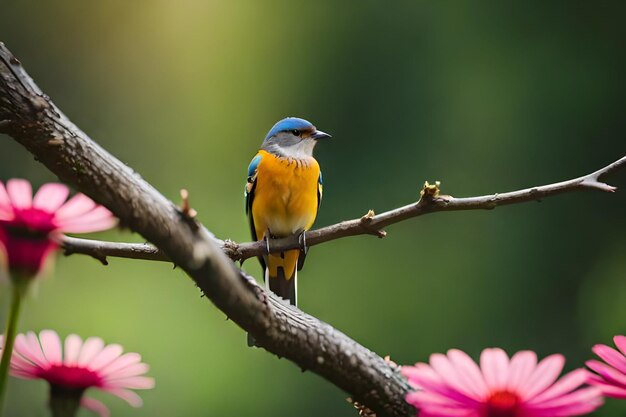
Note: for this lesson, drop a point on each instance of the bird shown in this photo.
(283, 195)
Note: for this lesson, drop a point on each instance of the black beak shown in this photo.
(318, 134)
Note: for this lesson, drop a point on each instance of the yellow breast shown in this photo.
(285, 197)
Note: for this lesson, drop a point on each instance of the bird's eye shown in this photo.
(296, 132)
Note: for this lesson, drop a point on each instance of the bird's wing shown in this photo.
(320, 187)
(249, 195)
(251, 184)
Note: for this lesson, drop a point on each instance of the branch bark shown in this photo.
(431, 202)
(100, 250)
(30, 117)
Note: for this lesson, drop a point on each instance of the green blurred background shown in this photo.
(483, 96)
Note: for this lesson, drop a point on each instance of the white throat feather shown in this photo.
(301, 150)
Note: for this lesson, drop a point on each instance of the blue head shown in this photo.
(293, 137)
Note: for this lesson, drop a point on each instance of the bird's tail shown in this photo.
(281, 274)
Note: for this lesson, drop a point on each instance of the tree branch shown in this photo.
(431, 202)
(30, 117)
(100, 250)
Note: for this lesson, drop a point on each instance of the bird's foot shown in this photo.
(266, 238)
(302, 240)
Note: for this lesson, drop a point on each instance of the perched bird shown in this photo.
(283, 195)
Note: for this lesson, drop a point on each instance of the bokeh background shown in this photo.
(483, 96)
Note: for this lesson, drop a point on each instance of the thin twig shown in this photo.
(431, 202)
(100, 250)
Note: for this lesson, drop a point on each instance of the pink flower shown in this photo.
(611, 378)
(30, 227)
(453, 385)
(80, 366)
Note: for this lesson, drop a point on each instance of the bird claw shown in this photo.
(304, 249)
(302, 240)
(266, 238)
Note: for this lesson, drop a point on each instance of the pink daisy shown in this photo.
(453, 385)
(30, 226)
(611, 378)
(78, 366)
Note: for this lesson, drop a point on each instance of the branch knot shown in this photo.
(430, 191)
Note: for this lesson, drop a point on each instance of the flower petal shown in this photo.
(73, 343)
(424, 377)
(128, 371)
(522, 365)
(566, 384)
(445, 411)
(129, 396)
(608, 389)
(546, 372)
(30, 351)
(135, 382)
(494, 364)
(91, 348)
(5, 200)
(466, 366)
(100, 218)
(6, 208)
(75, 207)
(23, 374)
(610, 374)
(122, 362)
(108, 355)
(51, 346)
(20, 192)
(50, 197)
(578, 402)
(448, 372)
(426, 399)
(23, 368)
(92, 226)
(95, 406)
(620, 342)
(20, 363)
(611, 356)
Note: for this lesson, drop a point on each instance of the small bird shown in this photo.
(283, 195)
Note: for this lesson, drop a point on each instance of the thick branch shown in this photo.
(31, 118)
(368, 224)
